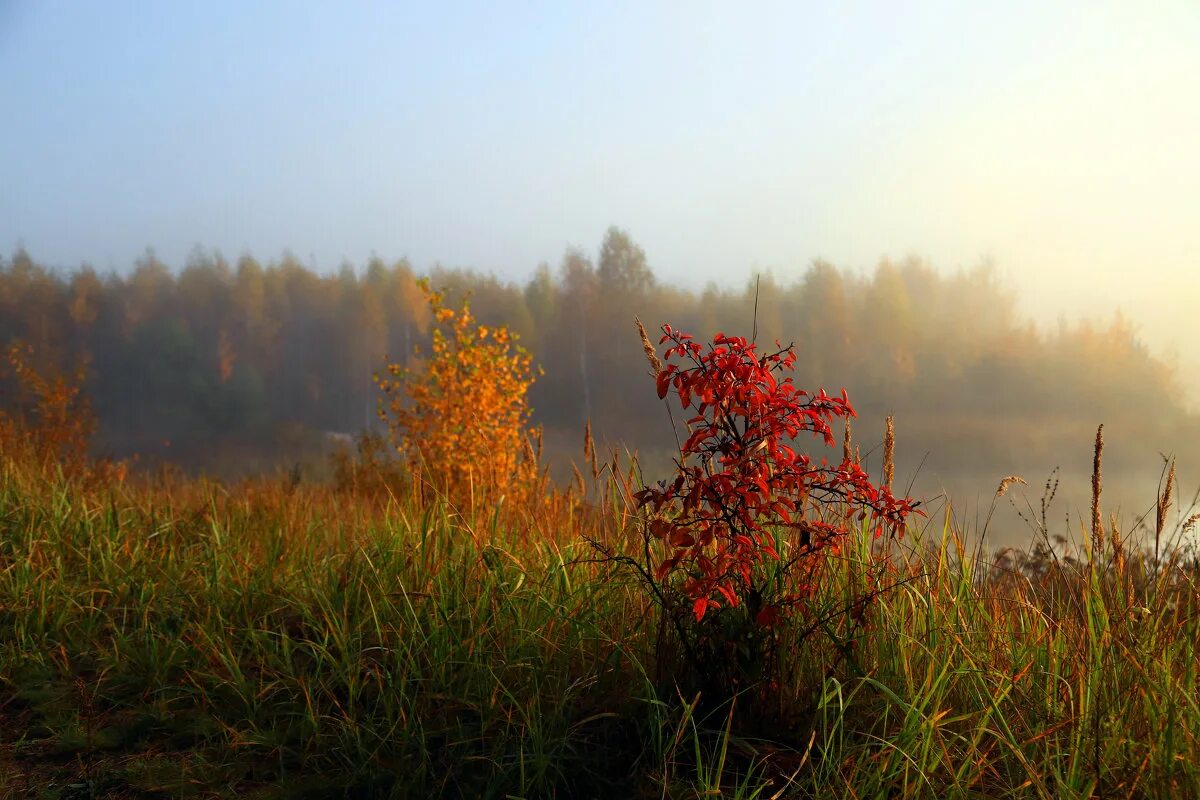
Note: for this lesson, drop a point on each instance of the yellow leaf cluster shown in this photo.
(461, 419)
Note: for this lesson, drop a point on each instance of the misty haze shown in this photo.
(243, 368)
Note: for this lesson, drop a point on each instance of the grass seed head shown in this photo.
(581, 487)
(1164, 502)
(1008, 481)
(651, 356)
(1097, 486)
(889, 452)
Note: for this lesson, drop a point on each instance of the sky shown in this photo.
(1058, 141)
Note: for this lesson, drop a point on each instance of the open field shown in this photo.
(273, 640)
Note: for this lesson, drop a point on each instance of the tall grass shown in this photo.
(275, 640)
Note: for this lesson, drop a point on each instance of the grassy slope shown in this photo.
(203, 642)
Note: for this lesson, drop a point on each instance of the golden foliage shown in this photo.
(56, 422)
(460, 419)
(53, 423)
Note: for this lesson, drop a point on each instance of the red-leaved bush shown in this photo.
(743, 495)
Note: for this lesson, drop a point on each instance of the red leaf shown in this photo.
(681, 538)
(665, 567)
(767, 616)
(663, 382)
(700, 606)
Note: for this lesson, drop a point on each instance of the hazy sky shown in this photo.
(1060, 140)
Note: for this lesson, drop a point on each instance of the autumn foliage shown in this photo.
(743, 497)
(53, 419)
(52, 423)
(460, 419)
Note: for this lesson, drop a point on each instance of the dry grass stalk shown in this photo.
(1164, 503)
(527, 449)
(631, 478)
(581, 486)
(847, 442)
(1097, 485)
(1190, 522)
(1117, 546)
(889, 452)
(1008, 481)
(651, 356)
(589, 449)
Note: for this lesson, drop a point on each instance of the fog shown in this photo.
(239, 368)
(1000, 198)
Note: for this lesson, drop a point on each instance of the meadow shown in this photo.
(388, 635)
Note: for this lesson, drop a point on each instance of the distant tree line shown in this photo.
(235, 366)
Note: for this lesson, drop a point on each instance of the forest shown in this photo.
(242, 368)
